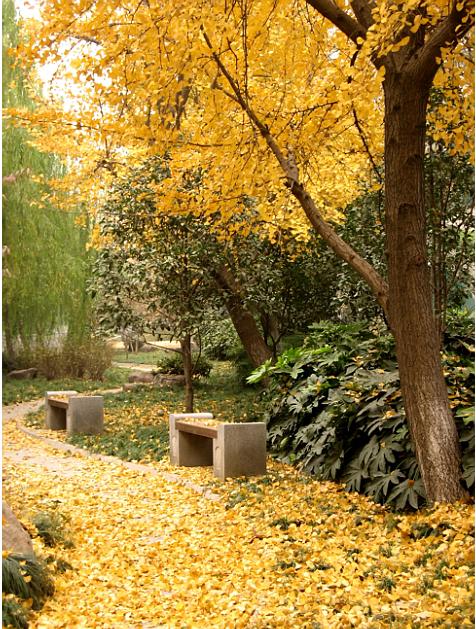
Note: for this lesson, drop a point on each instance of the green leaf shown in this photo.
(407, 492)
(380, 483)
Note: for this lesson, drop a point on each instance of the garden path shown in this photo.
(17, 411)
(58, 459)
(135, 366)
(107, 499)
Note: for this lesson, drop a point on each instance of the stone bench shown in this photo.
(77, 414)
(232, 449)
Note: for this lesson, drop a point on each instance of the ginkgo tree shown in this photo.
(294, 102)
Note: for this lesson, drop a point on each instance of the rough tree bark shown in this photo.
(412, 319)
(245, 325)
(408, 79)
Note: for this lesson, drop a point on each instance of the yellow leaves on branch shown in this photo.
(176, 77)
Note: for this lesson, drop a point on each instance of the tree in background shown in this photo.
(155, 272)
(449, 184)
(44, 254)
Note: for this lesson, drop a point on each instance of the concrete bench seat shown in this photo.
(233, 449)
(75, 413)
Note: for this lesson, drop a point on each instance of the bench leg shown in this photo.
(194, 450)
(55, 417)
(85, 415)
(187, 449)
(240, 450)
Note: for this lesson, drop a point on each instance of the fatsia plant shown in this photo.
(335, 409)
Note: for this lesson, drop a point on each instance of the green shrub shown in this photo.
(26, 578)
(88, 358)
(172, 364)
(52, 528)
(334, 407)
(13, 613)
(220, 341)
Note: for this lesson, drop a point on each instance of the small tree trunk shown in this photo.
(245, 325)
(186, 348)
(412, 320)
(9, 344)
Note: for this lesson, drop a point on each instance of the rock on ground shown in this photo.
(23, 374)
(14, 537)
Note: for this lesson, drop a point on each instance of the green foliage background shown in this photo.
(44, 252)
(334, 407)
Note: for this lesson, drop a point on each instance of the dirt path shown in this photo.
(17, 411)
(38, 451)
(135, 366)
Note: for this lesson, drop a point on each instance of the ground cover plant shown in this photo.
(144, 358)
(334, 407)
(279, 551)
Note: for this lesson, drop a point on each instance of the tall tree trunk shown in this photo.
(186, 348)
(245, 325)
(412, 320)
(7, 334)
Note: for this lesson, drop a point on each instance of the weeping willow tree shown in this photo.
(44, 251)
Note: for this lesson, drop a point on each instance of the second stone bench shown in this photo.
(75, 413)
(233, 449)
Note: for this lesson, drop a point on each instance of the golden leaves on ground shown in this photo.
(277, 551)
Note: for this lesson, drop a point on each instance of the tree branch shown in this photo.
(366, 145)
(342, 20)
(334, 241)
(86, 38)
(451, 29)
(363, 12)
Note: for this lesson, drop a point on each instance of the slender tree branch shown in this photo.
(366, 146)
(342, 20)
(86, 38)
(451, 29)
(336, 243)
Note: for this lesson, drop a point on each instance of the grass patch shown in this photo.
(141, 358)
(14, 391)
